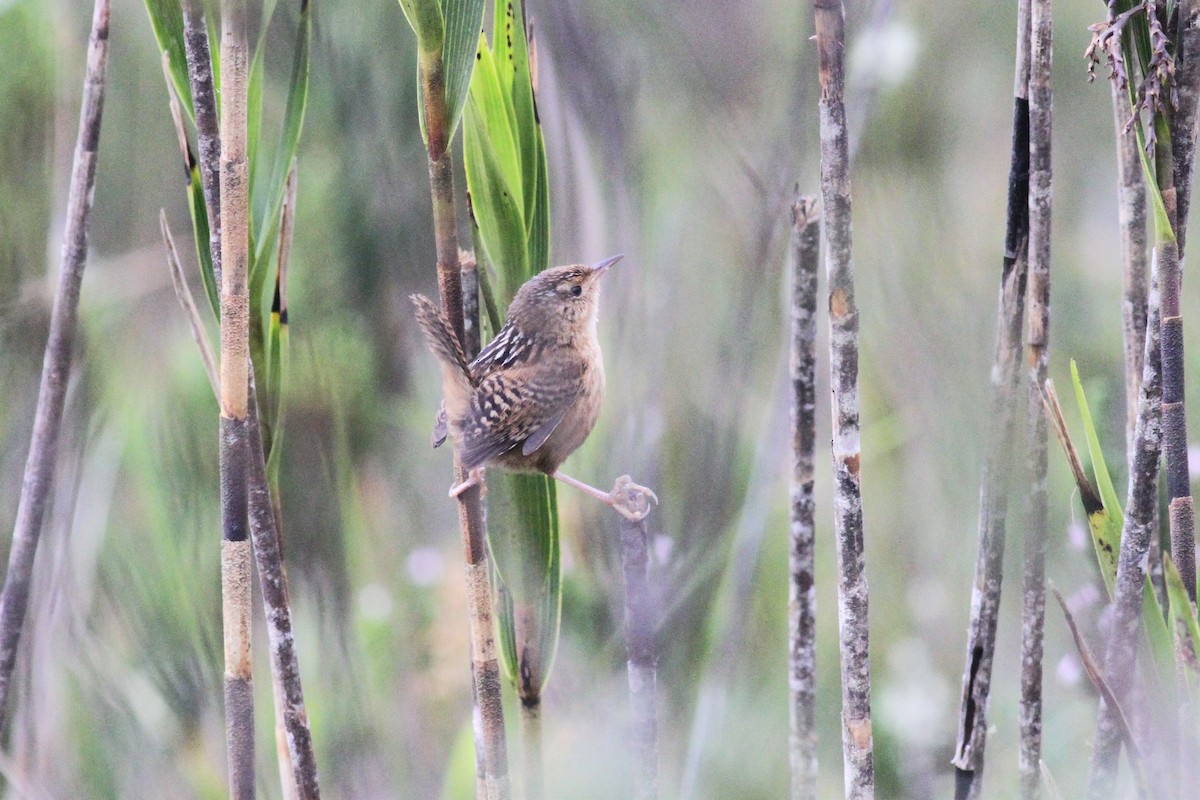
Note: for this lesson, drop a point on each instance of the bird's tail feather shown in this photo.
(456, 374)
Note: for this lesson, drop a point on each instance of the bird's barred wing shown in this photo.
(515, 408)
(510, 348)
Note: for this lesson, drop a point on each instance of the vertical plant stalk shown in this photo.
(1124, 634)
(1135, 271)
(56, 364)
(485, 664)
(1183, 130)
(802, 594)
(857, 739)
(1174, 175)
(234, 371)
(1135, 263)
(273, 582)
(204, 105)
(993, 488)
(1033, 610)
(643, 666)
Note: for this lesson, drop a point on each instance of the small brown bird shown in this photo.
(533, 394)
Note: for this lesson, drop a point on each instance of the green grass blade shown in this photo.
(463, 20)
(501, 225)
(526, 123)
(166, 18)
(1106, 527)
(539, 214)
(1106, 523)
(270, 198)
(199, 214)
(1187, 627)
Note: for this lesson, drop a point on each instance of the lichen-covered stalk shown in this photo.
(993, 488)
(234, 372)
(204, 105)
(273, 583)
(1033, 612)
(1183, 127)
(485, 664)
(802, 593)
(1124, 633)
(56, 364)
(1135, 262)
(1174, 179)
(643, 665)
(857, 739)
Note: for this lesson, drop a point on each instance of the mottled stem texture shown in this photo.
(1174, 176)
(1124, 633)
(56, 365)
(204, 104)
(802, 592)
(994, 484)
(643, 665)
(273, 583)
(1033, 607)
(857, 739)
(1135, 261)
(234, 441)
(485, 664)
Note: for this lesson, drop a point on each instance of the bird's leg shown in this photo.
(627, 498)
(474, 478)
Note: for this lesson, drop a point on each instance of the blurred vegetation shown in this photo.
(673, 138)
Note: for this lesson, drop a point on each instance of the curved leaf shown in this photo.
(463, 21)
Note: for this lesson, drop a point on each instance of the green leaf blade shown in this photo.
(463, 23)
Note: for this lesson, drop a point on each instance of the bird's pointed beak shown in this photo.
(600, 266)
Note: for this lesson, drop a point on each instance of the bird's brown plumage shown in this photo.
(531, 397)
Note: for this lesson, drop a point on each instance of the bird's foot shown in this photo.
(474, 478)
(631, 500)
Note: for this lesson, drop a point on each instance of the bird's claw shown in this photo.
(631, 500)
(474, 478)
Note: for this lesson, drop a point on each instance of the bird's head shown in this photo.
(560, 302)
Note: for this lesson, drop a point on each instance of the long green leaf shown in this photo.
(199, 212)
(270, 199)
(505, 162)
(463, 19)
(1187, 627)
(496, 209)
(1106, 527)
(1105, 524)
(166, 18)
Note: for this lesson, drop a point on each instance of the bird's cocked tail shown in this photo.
(442, 341)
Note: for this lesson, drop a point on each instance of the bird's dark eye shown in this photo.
(576, 290)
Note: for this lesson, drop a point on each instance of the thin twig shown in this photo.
(1096, 676)
(273, 582)
(643, 670)
(234, 371)
(802, 594)
(857, 739)
(292, 775)
(195, 324)
(1033, 614)
(994, 483)
(56, 366)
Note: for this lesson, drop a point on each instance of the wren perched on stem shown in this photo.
(533, 394)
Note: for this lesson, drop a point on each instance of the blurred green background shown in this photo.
(675, 135)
